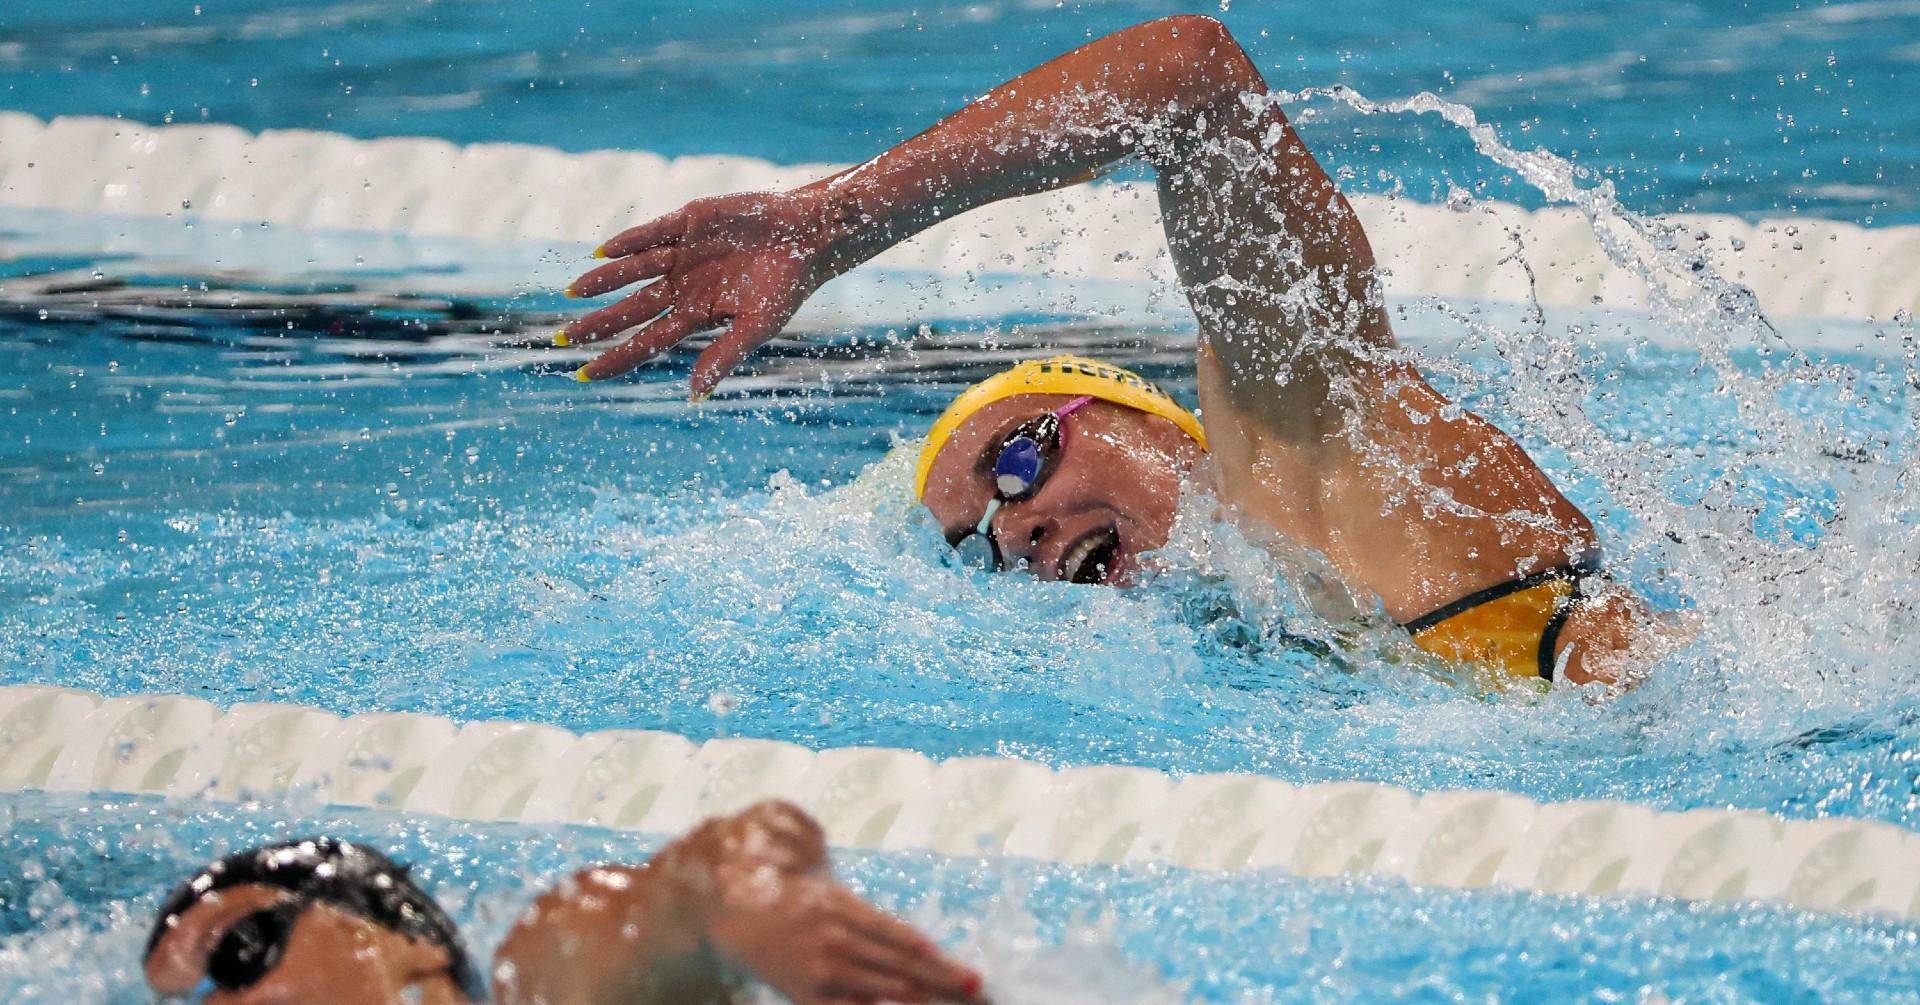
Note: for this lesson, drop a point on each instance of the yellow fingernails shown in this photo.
(570, 293)
(699, 396)
(581, 375)
(560, 338)
(600, 252)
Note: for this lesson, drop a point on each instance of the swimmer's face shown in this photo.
(1110, 495)
(325, 954)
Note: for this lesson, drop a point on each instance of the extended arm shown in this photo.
(1274, 262)
(742, 895)
(1272, 258)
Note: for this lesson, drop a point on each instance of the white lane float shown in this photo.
(58, 739)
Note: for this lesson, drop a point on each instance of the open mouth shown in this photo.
(1090, 559)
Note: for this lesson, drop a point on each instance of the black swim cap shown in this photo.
(351, 877)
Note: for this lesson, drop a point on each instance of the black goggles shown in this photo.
(1027, 457)
(249, 950)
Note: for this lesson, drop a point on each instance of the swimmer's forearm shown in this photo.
(1137, 91)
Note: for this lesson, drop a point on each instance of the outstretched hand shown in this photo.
(778, 914)
(745, 261)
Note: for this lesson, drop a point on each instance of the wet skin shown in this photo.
(743, 895)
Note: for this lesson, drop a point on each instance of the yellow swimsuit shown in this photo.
(1512, 627)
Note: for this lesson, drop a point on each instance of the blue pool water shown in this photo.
(258, 517)
(1048, 934)
(447, 528)
(373, 502)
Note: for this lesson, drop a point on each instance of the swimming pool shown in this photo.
(362, 490)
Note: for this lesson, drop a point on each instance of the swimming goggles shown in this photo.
(1027, 457)
(248, 951)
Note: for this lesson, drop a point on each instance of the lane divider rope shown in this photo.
(498, 192)
(62, 740)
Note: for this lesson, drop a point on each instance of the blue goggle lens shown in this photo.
(1018, 469)
(1023, 460)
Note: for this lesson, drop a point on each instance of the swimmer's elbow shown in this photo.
(1195, 35)
(1201, 41)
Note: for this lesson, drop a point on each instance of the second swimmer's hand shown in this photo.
(773, 910)
(744, 261)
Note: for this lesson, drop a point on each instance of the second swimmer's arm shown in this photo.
(742, 895)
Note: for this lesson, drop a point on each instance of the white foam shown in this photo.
(1099, 235)
(896, 799)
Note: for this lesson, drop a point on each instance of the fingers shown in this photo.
(870, 970)
(718, 359)
(867, 984)
(607, 322)
(654, 232)
(623, 272)
(915, 973)
(651, 341)
(885, 945)
(882, 928)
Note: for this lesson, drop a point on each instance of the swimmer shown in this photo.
(1319, 428)
(747, 895)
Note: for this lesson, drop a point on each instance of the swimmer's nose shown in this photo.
(1020, 531)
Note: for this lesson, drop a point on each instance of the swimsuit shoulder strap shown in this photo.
(1586, 565)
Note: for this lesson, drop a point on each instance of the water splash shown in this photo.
(1797, 546)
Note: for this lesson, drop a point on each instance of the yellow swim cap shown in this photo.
(1074, 375)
